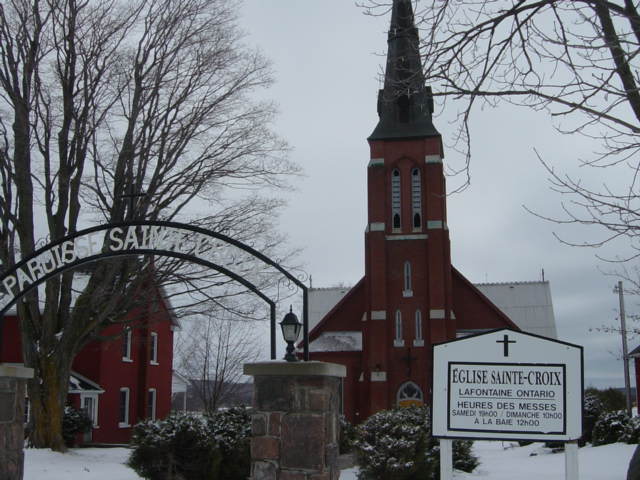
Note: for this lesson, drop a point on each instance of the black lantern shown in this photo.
(290, 331)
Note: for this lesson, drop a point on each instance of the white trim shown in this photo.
(436, 314)
(374, 162)
(407, 237)
(128, 339)
(94, 396)
(153, 354)
(398, 343)
(127, 407)
(379, 315)
(435, 225)
(364, 317)
(418, 343)
(407, 293)
(378, 376)
(154, 404)
(377, 227)
(432, 159)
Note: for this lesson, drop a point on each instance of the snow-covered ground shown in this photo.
(78, 464)
(498, 460)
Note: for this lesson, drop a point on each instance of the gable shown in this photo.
(473, 310)
(345, 316)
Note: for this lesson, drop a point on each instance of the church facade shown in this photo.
(410, 297)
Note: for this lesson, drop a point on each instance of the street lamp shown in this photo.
(290, 331)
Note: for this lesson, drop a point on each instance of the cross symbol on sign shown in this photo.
(505, 340)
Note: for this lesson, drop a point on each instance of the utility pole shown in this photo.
(625, 358)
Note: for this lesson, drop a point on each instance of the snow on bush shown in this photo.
(74, 421)
(593, 408)
(397, 445)
(611, 427)
(193, 447)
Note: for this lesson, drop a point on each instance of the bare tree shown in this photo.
(577, 60)
(211, 355)
(99, 99)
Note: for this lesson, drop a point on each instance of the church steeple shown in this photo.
(405, 104)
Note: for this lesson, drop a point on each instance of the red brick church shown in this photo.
(411, 296)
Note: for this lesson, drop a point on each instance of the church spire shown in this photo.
(405, 104)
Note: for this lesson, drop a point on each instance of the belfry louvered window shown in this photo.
(395, 198)
(416, 198)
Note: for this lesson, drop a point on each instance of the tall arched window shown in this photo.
(398, 341)
(419, 340)
(407, 291)
(395, 198)
(416, 198)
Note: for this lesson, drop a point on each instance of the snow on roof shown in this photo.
(321, 300)
(337, 342)
(81, 384)
(527, 304)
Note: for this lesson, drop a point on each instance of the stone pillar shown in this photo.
(13, 379)
(295, 427)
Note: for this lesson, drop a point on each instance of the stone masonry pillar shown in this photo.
(13, 379)
(295, 427)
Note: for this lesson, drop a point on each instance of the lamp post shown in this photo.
(290, 331)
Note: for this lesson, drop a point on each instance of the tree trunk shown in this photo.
(47, 394)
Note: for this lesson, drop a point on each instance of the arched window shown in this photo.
(398, 341)
(407, 291)
(395, 198)
(418, 341)
(410, 395)
(416, 198)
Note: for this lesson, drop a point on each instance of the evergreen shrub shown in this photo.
(74, 421)
(189, 446)
(593, 408)
(611, 427)
(348, 435)
(397, 445)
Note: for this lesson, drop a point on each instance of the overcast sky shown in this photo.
(326, 56)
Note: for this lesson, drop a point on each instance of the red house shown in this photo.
(410, 297)
(122, 381)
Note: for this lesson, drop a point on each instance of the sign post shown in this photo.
(509, 385)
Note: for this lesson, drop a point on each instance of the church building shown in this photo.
(410, 297)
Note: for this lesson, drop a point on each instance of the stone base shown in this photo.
(13, 379)
(295, 427)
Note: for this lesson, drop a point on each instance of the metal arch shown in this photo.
(192, 258)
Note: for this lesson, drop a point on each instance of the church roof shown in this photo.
(405, 104)
(527, 304)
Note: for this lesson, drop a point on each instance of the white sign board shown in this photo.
(507, 385)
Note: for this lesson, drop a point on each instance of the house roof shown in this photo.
(81, 384)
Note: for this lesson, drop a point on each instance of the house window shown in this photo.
(407, 291)
(126, 345)
(123, 418)
(398, 341)
(416, 199)
(409, 395)
(419, 340)
(151, 403)
(90, 406)
(395, 199)
(154, 348)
